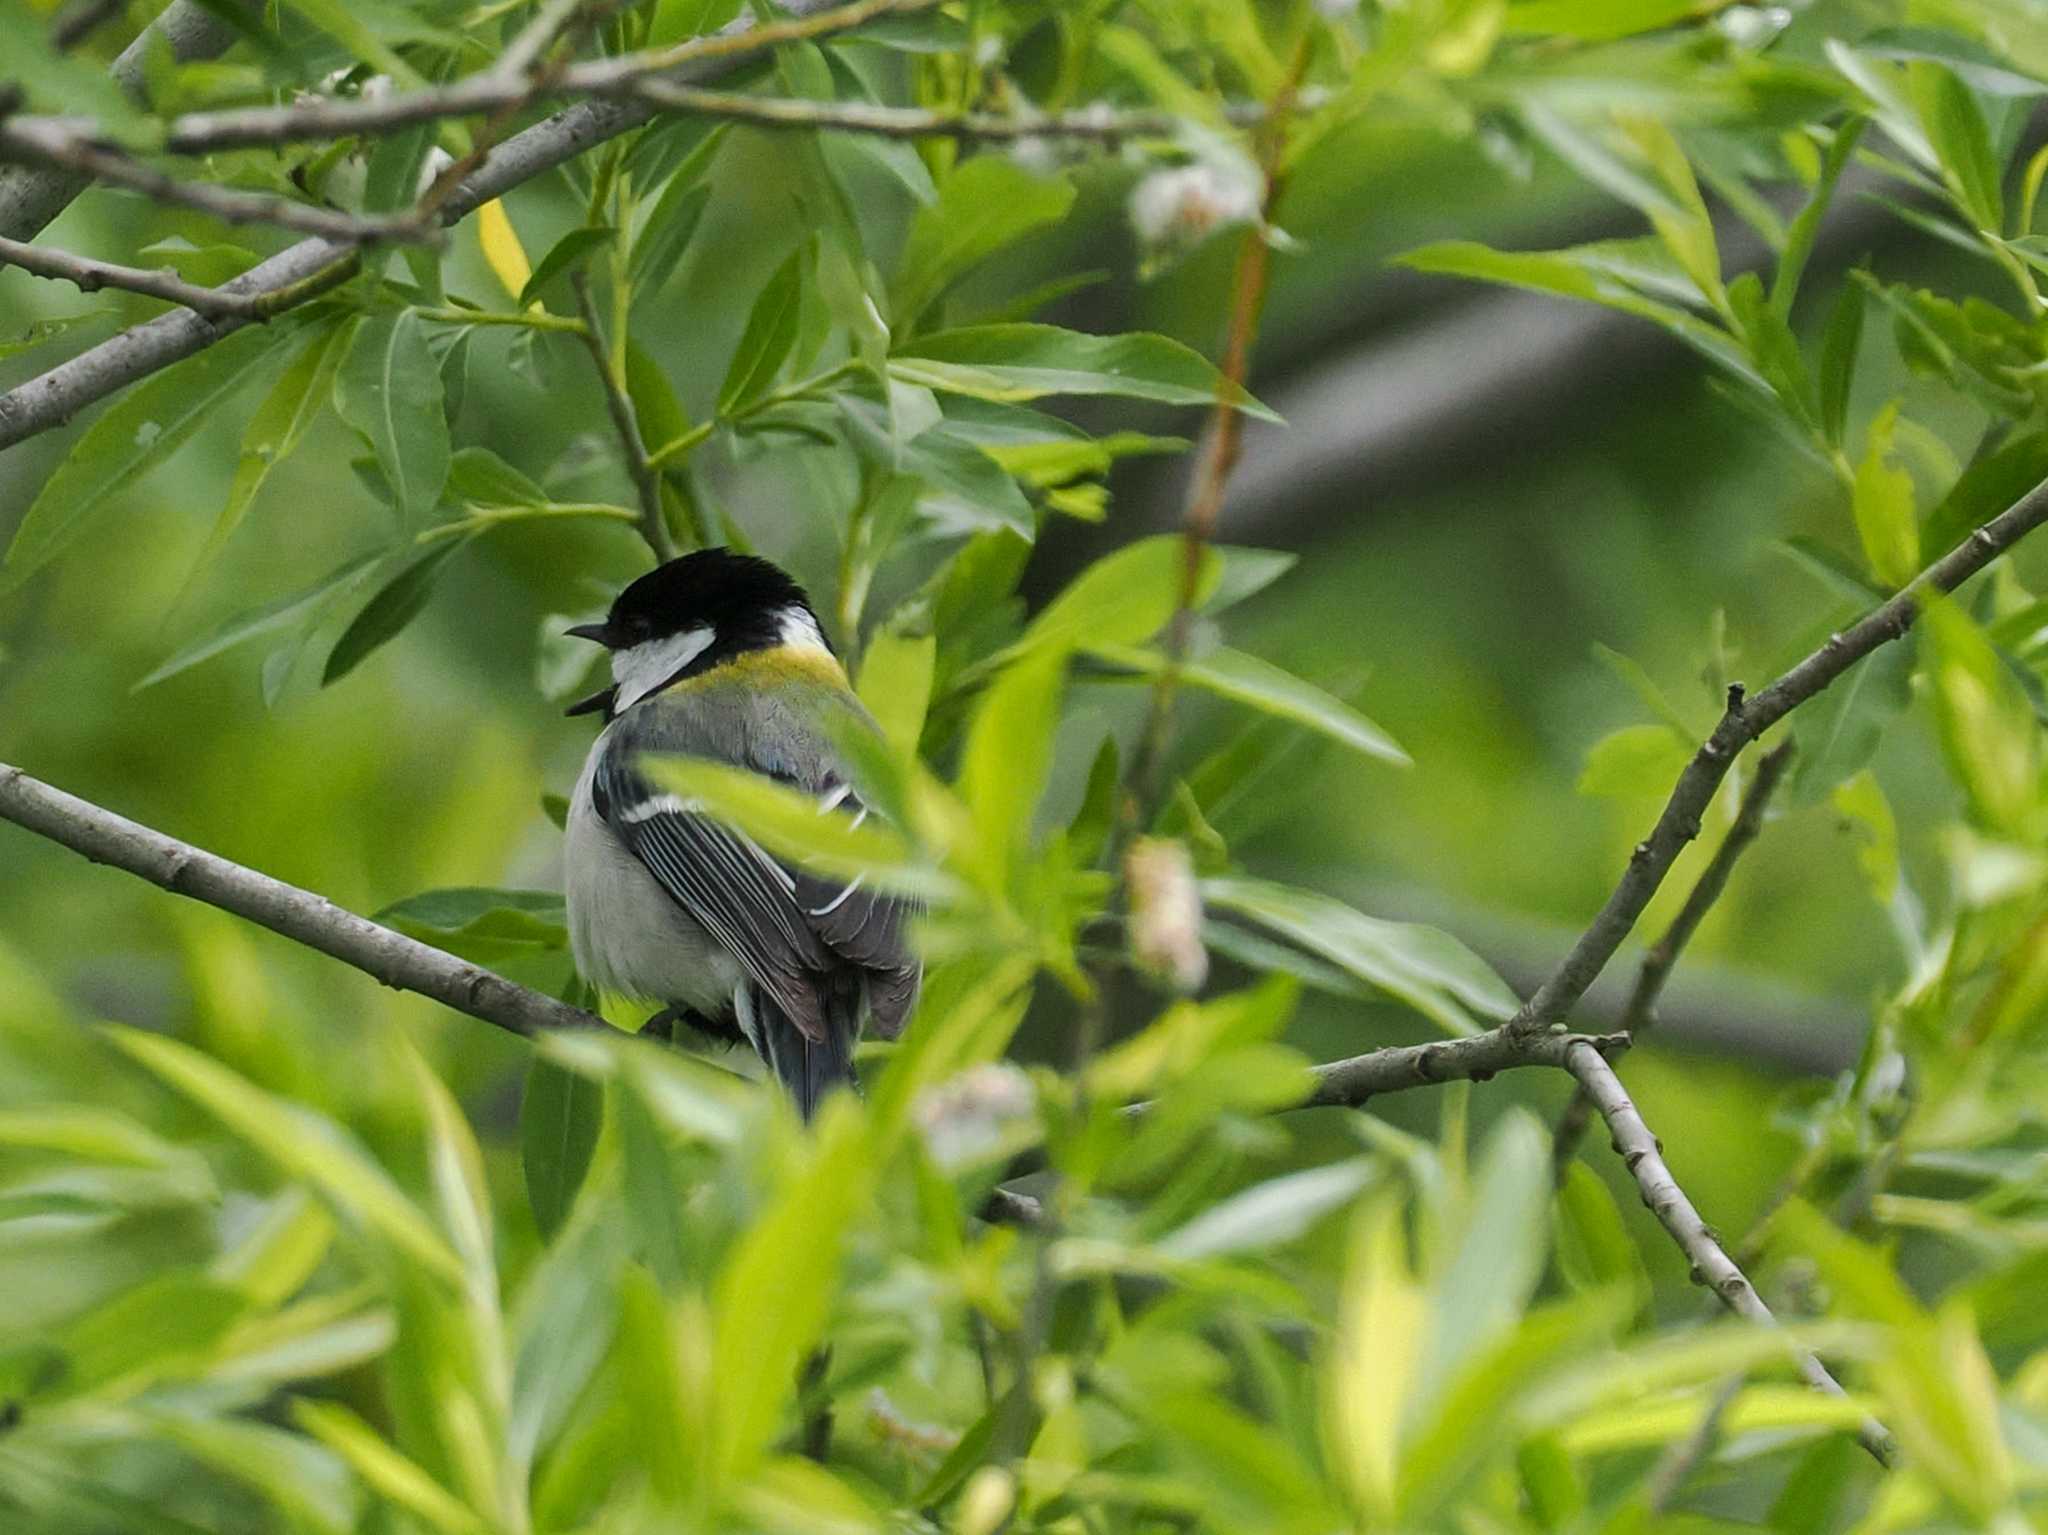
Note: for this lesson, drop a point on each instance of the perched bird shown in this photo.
(718, 655)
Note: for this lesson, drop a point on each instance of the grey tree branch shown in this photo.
(626, 422)
(31, 196)
(1640, 1013)
(90, 276)
(300, 915)
(1747, 717)
(51, 398)
(1643, 1154)
(21, 138)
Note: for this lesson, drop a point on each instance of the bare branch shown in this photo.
(1643, 1154)
(505, 84)
(1349, 1083)
(297, 914)
(1747, 717)
(1641, 1012)
(90, 276)
(31, 196)
(52, 398)
(35, 140)
(79, 20)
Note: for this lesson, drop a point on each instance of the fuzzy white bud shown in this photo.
(1166, 913)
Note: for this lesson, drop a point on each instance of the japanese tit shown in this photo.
(719, 655)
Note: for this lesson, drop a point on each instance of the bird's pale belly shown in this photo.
(627, 934)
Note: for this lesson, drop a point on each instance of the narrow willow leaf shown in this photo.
(403, 590)
(280, 421)
(299, 1142)
(143, 428)
(284, 613)
(987, 203)
(1248, 680)
(389, 389)
(896, 684)
(1962, 141)
(1270, 1214)
(1839, 344)
(391, 1474)
(566, 253)
(769, 336)
(1124, 598)
(503, 253)
(666, 231)
(1882, 498)
(1986, 488)
(1988, 731)
(1423, 966)
(1636, 759)
(478, 476)
(1018, 361)
(560, 1113)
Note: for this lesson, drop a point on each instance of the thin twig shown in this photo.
(1682, 1456)
(90, 276)
(1640, 1014)
(1350, 1083)
(489, 90)
(1747, 717)
(1223, 443)
(299, 915)
(53, 397)
(21, 138)
(1643, 1154)
(626, 421)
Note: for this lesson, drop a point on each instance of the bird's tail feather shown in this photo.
(809, 1068)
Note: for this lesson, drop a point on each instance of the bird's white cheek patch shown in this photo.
(646, 668)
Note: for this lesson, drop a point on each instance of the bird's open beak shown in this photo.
(600, 701)
(598, 633)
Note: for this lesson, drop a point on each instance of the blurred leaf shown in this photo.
(1270, 1214)
(1988, 732)
(664, 234)
(1423, 966)
(301, 1144)
(1861, 802)
(1839, 732)
(1636, 759)
(770, 333)
(1987, 487)
(1595, 1253)
(1008, 755)
(284, 613)
(1680, 219)
(560, 1113)
(387, 1471)
(1592, 20)
(1883, 500)
(142, 429)
(297, 1477)
(1123, 598)
(503, 253)
(987, 202)
(165, 1326)
(1018, 361)
(389, 389)
(477, 475)
(1840, 342)
(1956, 129)
(1382, 1322)
(280, 421)
(896, 684)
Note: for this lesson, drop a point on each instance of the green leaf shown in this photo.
(1594, 1250)
(896, 684)
(1986, 488)
(1681, 219)
(1270, 1214)
(299, 1142)
(1988, 731)
(522, 934)
(49, 330)
(559, 1117)
(1839, 344)
(280, 421)
(1861, 803)
(1123, 598)
(168, 1326)
(1839, 732)
(1592, 20)
(389, 389)
(766, 342)
(1636, 759)
(1961, 140)
(403, 589)
(478, 476)
(565, 254)
(268, 619)
(1248, 680)
(144, 427)
(385, 1470)
(1882, 498)
(1016, 362)
(297, 1477)
(666, 232)
(1423, 966)
(987, 203)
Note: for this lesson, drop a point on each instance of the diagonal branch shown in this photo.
(626, 422)
(1643, 1154)
(1747, 717)
(52, 398)
(393, 958)
(1641, 1012)
(90, 276)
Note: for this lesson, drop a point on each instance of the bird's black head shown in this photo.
(689, 615)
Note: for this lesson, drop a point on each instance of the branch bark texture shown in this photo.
(300, 915)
